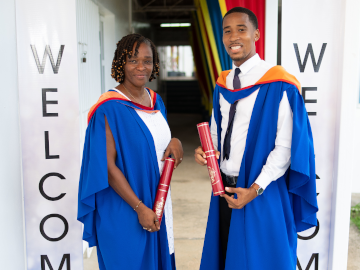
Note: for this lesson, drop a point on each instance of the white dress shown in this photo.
(161, 134)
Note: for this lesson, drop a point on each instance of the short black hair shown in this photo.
(124, 48)
(252, 16)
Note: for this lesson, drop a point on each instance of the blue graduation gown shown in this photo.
(263, 235)
(109, 222)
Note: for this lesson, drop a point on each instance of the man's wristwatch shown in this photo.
(259, 190)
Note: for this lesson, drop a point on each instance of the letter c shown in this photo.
(41, 188)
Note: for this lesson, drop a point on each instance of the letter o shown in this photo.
(42, 223)
(313, 235)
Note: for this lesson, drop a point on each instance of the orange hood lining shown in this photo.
(112, 95)
(274, 74)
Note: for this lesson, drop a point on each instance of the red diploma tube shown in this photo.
(163, 188)
(212, 163)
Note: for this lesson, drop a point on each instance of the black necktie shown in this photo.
(236, 85)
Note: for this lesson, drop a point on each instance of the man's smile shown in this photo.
(234, 48)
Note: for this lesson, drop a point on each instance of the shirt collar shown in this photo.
(249, 64)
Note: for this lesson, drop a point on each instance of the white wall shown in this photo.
(87, 23)
(120, 9)
(12, 242)
(116, 25)
(109, 48)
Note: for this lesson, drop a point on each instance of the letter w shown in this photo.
(44, 258)
(48, 52)
(310, 51)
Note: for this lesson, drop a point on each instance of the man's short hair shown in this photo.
(251, 15)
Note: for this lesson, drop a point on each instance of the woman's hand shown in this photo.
(200, 156)
(147, 218)
(174, 148)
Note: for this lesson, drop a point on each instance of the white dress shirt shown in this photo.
(278, 160)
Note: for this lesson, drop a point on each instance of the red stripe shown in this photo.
(144, 107)
(150, 111)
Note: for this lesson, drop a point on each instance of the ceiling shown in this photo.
(163, 11)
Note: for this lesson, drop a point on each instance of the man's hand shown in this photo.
(174, 148)
(244, 196)
(200, 156)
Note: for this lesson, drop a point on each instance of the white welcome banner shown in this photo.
(312, 51)
(48, 101)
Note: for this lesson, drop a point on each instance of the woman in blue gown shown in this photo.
(126, 142)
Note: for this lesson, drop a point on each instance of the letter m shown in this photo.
(314, 256)
(66, 257)
(310, 51)
(47, 52)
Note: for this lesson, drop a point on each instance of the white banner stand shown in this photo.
(320, 46)
(49, 124)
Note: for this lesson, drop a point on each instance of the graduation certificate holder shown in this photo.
(163, 188)
(212, 163)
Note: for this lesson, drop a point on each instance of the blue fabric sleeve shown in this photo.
(302, 177)
(93, 176)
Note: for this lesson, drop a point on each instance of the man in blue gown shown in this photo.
(261, 130)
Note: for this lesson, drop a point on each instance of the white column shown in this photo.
(326, 34)
(12, 242)
(340, 214)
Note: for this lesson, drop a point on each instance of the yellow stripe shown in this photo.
(206, 54)
(204, 41)
(223, 7)
(210, 32)
(206, 63)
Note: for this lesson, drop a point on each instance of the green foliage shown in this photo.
(355, 215)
